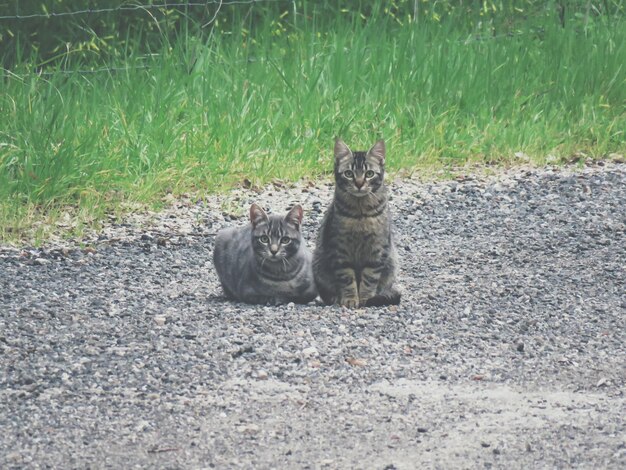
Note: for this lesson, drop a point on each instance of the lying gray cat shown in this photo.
(266, 261)
(355, 259)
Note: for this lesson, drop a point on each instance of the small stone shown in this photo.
(485, 444)
(421, 429)
(160, 319)
(142, 426)
(356, 362)
(41, 261)
(261, 375)
(310, 352)
(520, 347)
(249, 429)
(13, 457)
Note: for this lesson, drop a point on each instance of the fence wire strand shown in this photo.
(217, 3)
(88, 11)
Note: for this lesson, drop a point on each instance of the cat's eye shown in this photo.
(285, 240)
(369, 174)
(348, 174)
(264, 239)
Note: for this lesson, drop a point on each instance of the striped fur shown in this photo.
(355, 260)
(265, 262)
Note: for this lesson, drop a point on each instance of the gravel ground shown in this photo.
(508, 350)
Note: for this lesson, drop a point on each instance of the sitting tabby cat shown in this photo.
(265, 261)
(354, 263)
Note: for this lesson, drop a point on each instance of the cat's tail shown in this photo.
(389, 296)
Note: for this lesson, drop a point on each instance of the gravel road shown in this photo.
(508, 350)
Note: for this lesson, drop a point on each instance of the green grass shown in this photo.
(205, 115)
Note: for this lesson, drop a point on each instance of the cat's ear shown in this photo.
(378, 151)
(294, 216)
(341, 150)
(257, 215)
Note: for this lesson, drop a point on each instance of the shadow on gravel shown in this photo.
(508, 348)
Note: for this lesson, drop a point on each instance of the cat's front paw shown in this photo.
(350, 302)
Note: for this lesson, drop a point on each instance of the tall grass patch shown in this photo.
(263, 100)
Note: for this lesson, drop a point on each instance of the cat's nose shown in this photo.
(274, 249)
(359, 183)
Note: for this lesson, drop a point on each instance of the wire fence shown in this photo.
(213, 4)
(25, 16)
(87, 11)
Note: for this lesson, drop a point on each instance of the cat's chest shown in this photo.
(361, 239)
(362, 227)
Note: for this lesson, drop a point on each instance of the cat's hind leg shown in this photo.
(327, 293)
(306, 293)
(324, 282)
(390, 296)
(227, 292)
(336, 282)
(257, 299)
(386, 293)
